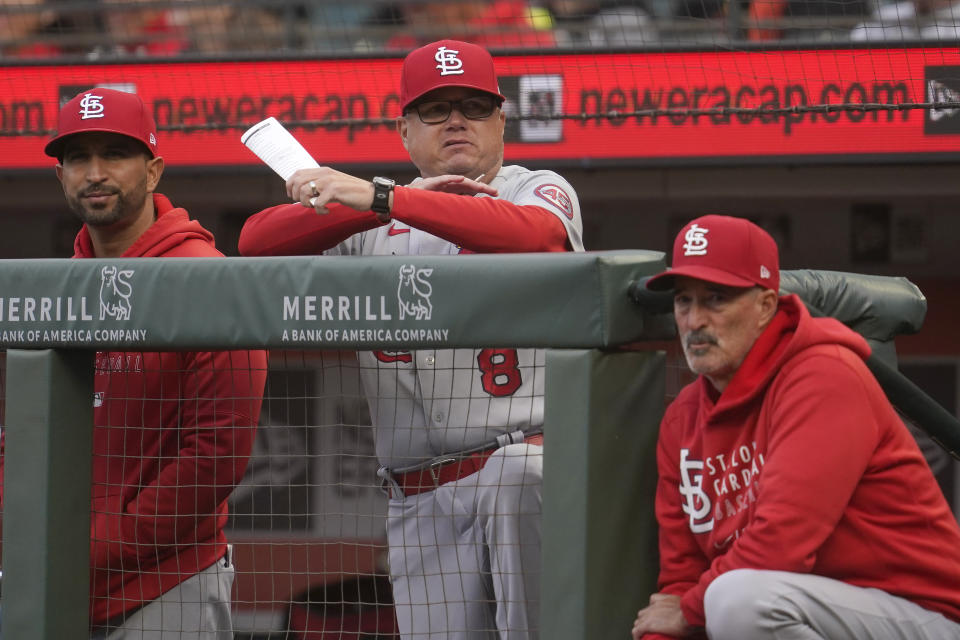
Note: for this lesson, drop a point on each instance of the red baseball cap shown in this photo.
(723, 250)
(108, 110)
(447, 63)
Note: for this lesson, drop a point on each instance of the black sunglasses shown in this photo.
(472, 108)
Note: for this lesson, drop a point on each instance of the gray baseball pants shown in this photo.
(465, 557)
(750, 604)
(196, 609)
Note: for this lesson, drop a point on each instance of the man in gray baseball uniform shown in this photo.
(458, 431)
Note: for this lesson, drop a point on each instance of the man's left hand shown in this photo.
(662, 615)
(460, 185)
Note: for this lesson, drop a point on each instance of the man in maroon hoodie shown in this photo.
(792, 501)
(172, 431)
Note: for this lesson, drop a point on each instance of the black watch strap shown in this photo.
(381, 195)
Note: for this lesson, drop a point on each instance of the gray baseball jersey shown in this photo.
(430, 402)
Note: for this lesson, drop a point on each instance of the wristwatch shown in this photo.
(381, 197)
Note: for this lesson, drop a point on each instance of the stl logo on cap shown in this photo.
(696, 241)
(91, 107)
(448, 62)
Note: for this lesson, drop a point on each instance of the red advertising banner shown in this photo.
(644, 108)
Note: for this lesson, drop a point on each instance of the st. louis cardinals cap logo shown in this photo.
(448, 62)
(91, 107)
(695, 241)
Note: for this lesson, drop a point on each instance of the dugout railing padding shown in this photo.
(603, 404)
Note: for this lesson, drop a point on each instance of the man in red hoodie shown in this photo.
(172, 431)
(792, 501)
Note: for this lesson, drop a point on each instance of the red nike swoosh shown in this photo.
(393, 231)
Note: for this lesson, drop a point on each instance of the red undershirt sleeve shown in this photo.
(477, 224)
(480, 224)
(293, 229)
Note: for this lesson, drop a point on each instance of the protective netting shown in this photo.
(307, 523)
(309, 520)
(642, 81)
(307, 529)
(118, 28)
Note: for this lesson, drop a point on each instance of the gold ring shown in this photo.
(313, 186)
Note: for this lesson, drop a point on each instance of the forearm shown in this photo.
(293, 229)
(192, 488)
(480, 224)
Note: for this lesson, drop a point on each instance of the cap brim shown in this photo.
(665, 281)
(454, 84)
(55, 146)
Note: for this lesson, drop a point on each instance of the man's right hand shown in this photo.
(316, 188)
(661, 616)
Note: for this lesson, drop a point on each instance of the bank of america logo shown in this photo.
(115, 292)
(414, 292)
